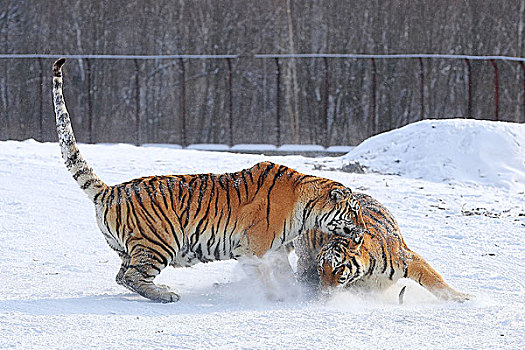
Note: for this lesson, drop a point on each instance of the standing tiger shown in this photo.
(179, 220)
(374, 258)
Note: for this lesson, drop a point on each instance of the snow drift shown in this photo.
(487, 152)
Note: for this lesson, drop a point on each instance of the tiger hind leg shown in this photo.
(123, 268)
(137, 274)
(421, 271)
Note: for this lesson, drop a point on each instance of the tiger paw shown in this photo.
(461, 297)
(168, 297)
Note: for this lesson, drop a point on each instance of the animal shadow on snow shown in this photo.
(239, 295)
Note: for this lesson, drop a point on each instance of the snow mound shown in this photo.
(486, 152)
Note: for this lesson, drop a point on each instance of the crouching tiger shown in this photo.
(179, 220)
(374, 257)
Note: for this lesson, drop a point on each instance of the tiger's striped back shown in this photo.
(202, 217)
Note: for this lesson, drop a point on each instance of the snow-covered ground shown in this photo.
(457, 189)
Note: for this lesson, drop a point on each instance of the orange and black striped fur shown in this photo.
(374, 258)
(179, 220)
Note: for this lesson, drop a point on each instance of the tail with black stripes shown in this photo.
(75, 163)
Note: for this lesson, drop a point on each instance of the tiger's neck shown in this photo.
(308, 195)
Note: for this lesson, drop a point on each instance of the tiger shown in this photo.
(180, 220)
(374, 256)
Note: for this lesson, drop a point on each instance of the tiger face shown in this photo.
(340, 262)
(339, 214)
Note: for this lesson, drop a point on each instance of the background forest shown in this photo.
(333, 101)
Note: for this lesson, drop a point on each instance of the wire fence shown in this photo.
(275, 134)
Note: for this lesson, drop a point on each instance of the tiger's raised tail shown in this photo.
(75, 163)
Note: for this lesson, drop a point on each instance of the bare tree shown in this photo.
(137, 102)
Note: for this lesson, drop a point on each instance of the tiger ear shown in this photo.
(336, 194)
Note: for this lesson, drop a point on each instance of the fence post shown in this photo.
(496, 89)
(230, 100)
(278, 102)
(90, 102)
(421, 89)
(469, 89)
(183, 101)
(325, 105)
(373, 98)
(137, 103)
(40, 101)
(6, 103)
(522, 64)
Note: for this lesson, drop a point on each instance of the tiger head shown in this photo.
(340, 262)
(336, 211)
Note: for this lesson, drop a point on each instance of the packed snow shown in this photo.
(459, 150)
(456, 188)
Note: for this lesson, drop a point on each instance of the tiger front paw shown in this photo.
(461, 297)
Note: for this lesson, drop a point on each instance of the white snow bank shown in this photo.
(487, 152)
